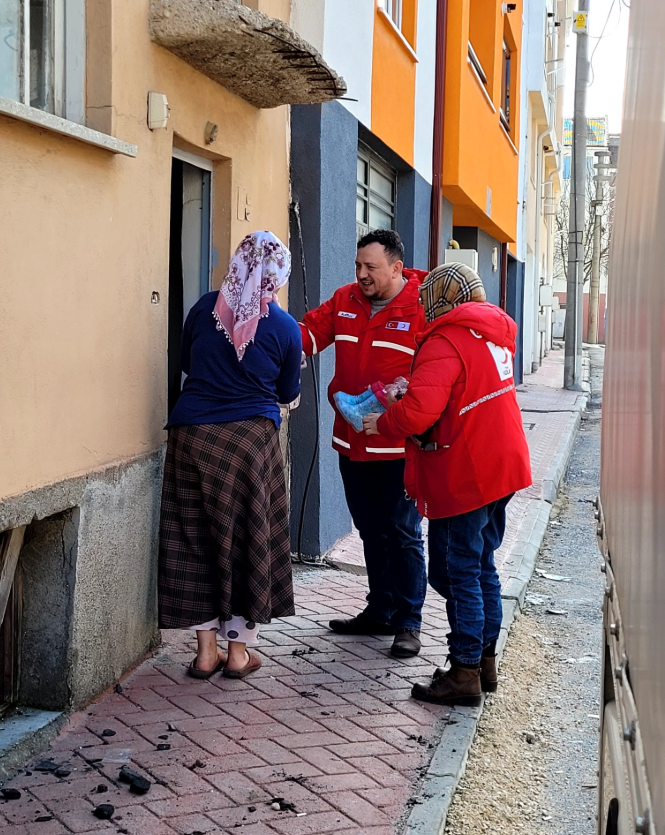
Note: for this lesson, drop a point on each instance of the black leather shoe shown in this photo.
(406, 643)
(360, 625)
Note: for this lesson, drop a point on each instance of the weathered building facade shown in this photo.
(136, 150)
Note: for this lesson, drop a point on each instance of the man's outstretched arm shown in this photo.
(317, 328)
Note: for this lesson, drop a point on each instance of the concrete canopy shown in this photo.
(257, 57)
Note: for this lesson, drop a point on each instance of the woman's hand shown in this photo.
(391, 394)
(396, 390)
(369, 424)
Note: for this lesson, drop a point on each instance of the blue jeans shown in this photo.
(389, 526)
(462, 570)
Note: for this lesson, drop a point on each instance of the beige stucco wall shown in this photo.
(274, 8)
(85, 237)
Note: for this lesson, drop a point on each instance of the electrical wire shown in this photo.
(295, 208)
(599, 38)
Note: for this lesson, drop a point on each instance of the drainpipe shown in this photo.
(437, 149)
(535, 348)
(550, 280)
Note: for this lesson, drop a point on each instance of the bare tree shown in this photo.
(561, 227)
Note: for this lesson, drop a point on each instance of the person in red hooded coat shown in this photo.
(466, 456)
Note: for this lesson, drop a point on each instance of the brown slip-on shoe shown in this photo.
(194, 671)
(456, 686)
(250, 667)
(489, 680)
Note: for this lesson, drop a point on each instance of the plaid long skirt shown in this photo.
(224, 535)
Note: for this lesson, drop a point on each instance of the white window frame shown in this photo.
(393, 8)
(68, 40)
(374, 163)
(506, 79)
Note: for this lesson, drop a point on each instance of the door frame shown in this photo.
(206, 165)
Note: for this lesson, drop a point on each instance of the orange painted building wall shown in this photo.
(479, 153)
(394, 80)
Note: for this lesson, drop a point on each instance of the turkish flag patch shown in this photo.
(398, 326)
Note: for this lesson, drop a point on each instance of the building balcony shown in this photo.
(256, 57)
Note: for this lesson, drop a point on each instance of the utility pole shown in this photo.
(594, 287)
(572, 371)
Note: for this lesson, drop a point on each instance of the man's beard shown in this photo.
(370, 293)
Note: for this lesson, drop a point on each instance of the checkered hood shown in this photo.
(448, 286)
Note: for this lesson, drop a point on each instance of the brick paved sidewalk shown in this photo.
(327, 724)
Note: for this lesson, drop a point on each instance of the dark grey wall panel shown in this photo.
(446, 224)
(412, 212)
(324, 143)
(412, 208)
(515, 308)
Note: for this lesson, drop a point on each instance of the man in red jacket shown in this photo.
(467, 457)
(373, 324)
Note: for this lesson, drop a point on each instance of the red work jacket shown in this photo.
(366, 351)
(462, 397)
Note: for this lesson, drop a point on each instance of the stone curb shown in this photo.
(27, 735)
(559, 464)
(524, 551)
(349, 567)
(429, 814)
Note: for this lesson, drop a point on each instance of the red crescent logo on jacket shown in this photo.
(502, 359)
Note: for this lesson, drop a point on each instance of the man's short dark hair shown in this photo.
(389, 240)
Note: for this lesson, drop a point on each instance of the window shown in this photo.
(375, 196)
(393, 8)
(42, 52)
(505, 86)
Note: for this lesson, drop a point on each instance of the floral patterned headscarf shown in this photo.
(260, 266)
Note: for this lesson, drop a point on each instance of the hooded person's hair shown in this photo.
(448, 286)
(260, 266)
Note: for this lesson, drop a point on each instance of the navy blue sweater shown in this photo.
(219, 388)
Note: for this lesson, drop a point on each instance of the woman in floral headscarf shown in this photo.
(224, 558)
